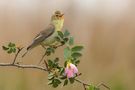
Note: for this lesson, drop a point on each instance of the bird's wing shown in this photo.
(42, 36)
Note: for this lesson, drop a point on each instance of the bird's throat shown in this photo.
(58, 24)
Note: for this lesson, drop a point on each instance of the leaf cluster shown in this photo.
(10, 48)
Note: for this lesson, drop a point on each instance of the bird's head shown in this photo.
(57, 16)
(58, 19)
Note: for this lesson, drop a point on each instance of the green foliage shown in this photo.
(71, 41)
(62, 37)
(53, 63)
(66, 33)
(10, 48)
(72, 80)
(77, 48)
(60, 34)
(53, 80)
(92, 87)
(65, 82)
(67, 53)
(56, 73)
(56, 82)
(76, 55)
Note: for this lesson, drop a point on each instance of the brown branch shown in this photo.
(19, 50)
(82, 82)
(22, 66)
(84, 87)
(85, 84)
(46, 65)
(42, 57)
(102, 84)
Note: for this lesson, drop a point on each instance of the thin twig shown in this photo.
(46, 52)
(82, 82)
(102, 84)
(46, 64)
(19, 50)
(84, 86)
(42, 57)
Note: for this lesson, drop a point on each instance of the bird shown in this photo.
(46, 37)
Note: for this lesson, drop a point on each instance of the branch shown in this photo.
(82, 82)
(17, 65)
(22, 66)
(102, 84)
(85, 84)
(19, 50)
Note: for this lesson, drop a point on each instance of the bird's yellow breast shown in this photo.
(58, 24)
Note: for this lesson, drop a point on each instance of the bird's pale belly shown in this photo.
(50, 40)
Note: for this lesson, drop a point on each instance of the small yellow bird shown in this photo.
(47, 36)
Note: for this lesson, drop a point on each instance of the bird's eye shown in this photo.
(57, 15)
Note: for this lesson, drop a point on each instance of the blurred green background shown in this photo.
(105, 27)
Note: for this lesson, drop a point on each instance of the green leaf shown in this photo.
(50, 82)
(14, 50)
(65, 40)
(57, 39)
(10, 51)
(50, 49)
(66, 33)
(50, 76)
(60, 34)
(67, 53)
(77, 48)
(61, 70)
(71, 41)
(55, 85)
(76, 55)
(11, 45)
(65, 63)
(56, 60)
(56, 82)
(92, 87)
(5, 48)
(50, 63)
(77, 62)
(65, 82)
(71, 80)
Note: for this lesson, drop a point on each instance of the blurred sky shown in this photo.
(105, 27)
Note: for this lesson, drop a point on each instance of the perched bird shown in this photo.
(47, 36)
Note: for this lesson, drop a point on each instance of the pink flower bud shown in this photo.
(71, 70)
